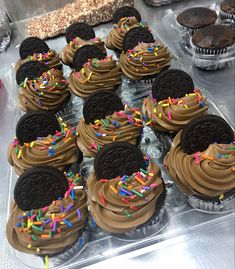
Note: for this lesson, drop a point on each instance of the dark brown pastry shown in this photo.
(228, 6)
(214, 37)
(197, 17)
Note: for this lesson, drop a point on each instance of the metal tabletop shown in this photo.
(210, 247)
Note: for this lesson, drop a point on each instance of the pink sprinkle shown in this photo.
(33, 217)
(197, 159)
(69, 190)
(169, 115)
(45, 208)
(154, 185)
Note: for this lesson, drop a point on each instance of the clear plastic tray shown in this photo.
(182, 46)
(179, 218)
(158, 3)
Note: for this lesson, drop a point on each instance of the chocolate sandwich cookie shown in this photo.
(197, 17)
(32, 45)
(101, 104)
(124, 12)
(204, 131)
(85, 53)
(81, 30)
(135, 36)
(39, 186)
(30, 70)
(118, 159)
(173, 83)
(36, 124)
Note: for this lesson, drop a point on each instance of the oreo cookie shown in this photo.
(30, 70)
(118, 159)
(172, 83)
(32, 45)
(39, 187)
(81, 30)
(136, 35)
(203, 131)
(126, 11)
(85, 53)
(36, 124)
(101, 104)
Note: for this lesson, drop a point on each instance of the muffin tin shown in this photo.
(179, 40)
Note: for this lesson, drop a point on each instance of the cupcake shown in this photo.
(41, 88)
(213, 43)
(42, 140)
(124, 19)
(196, 18)
(105, 120)
(69, 50)
(126, 198)
(201, 161)
(173, 103)
(227, 11)
(93, 71)
(143, 57)
(35, 49)
(49, 212)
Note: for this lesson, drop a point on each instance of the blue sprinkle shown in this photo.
(219, 155)
(201, 104)
(122, 193)
(69, 224)
(18, 224)
(81, 241)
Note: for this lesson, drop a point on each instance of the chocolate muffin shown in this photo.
(196, 18)
(214, 39)
(227, 10)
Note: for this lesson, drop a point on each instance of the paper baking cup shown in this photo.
(227, 204)
(226, 17)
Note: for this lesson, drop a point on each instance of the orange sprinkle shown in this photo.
(233, 168)
(207, 157)
(139, 180)
(45, 236)
(113, 189)
(37, 223)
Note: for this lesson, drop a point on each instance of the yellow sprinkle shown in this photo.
(138, 120)
(83, 70)
(160, 102)
(113, 189)
(24, 214)
(129, 187)
(97, 121)
(61, 222)
(114, 138)
(185, 106)
(120, 183)
(221, 197)
(53, 216)
(186, 94)
(29, 245)
(160, 115)
(192, 94)
(137, 112)
(180, 102)
(165, 105)
(145, 68)
(19, 154)
(70, 43)
(141, 58)
(89, 76)
(31, 144)
(38, 250)
(233, 168)
(155, 110)
(155, 54)
(151, 174)
(149, 122)
(46, 262)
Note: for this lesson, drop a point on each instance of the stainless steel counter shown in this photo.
(206, 247)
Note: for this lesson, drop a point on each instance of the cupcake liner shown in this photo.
(210, 59)
(165, 138)
(226, 17)
(73, 251)
(65, 108)
(225, 205)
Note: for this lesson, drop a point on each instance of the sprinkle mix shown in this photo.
(101, 127)
(172, 101)
(50, 143)
(125, 188)
(95, 63)
(44, 224)
(42, 56)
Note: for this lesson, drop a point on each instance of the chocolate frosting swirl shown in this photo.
(209, 173)
(48, 238)
(50, 58)
(146, 59)
(70, 49)
(48, 92)
(116, 212)
(59, 151)
(172, 115)
(95, 75)
(115, 38)
(120, 126)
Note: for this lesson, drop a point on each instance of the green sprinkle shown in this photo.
(137, 193)
(127, 178)
(105, 123)
(226, 156)
(17, 150)
(37, 228)
(127, 214)
(233, 147)
(144, 171)
(50, 233)
(76, 180)
(99, 147)
(34, 237)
